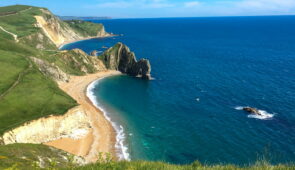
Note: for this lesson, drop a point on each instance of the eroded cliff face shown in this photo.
(103, 33)
(122, 59)
(54, 29)
(80, 61)
(75, 125)
(51, 70)
(60, 32)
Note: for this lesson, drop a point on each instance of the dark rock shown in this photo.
(120, 58)
(94, 53)
(251, 110)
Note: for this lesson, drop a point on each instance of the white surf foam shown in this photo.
(239, 107)
(264, 115)
(121, 148)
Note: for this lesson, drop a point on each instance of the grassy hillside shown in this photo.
(146, 165)
(85, 27)
(19, 20)
(12, 9)
(27, 94)
(30, 156)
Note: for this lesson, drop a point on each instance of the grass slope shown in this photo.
(147, 165)
(30, 156)
(84, 27)
(21, 22)
(12, 9)
(25, 93)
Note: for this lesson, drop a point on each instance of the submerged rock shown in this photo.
(119, 57)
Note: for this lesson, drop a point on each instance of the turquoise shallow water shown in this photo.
(204, 68)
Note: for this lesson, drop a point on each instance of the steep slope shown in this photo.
(57, 31)
(122, 59)
(32, 107)
(87, 28)
(31, 156)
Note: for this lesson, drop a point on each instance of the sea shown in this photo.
(205, 70)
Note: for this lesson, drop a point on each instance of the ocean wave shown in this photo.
(239, 107)
(121, 149)
(264, 115)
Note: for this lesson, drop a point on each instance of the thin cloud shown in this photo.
(173, 8)
(283, 5)
(191, 4)
(118, 4)
(133, 3)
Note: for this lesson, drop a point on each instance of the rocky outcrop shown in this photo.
(119, 57)
(75, 125)
(50, 70)
(252, 110)
(78, 60)
(103, 33)
(94, 53)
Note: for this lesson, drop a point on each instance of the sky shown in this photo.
(162, 8)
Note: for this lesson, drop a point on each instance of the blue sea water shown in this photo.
(204, 70)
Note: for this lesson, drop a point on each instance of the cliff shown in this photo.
(33, 108)
(51, 70)
(75, 124)
(87, 28)
(60, 32)
(77, 62)
(119, 57)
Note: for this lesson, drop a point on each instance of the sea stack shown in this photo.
(119, 57)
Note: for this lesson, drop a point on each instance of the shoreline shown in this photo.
(121, 150)
(83, 39)
(103, 136)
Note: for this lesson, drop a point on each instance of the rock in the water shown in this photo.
(94, 53)
(120, 58)
(251, 110)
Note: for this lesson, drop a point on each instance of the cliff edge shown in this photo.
(119, 57)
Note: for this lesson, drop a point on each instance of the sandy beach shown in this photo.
(102, 137)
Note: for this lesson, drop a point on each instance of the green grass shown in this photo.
(85, 28)
(5, 35)
(12, 9)
(69, 61)
(110, 52)
(34, 96)
(11, 46)
(28, 156)
(12, 64)
(21, 23)
(26, 94)
(147, 165)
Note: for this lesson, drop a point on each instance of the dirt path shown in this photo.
(21, 74)
(14, 35)
(24, 10)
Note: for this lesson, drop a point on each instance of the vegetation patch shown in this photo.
(85, 28)
(31, 156)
